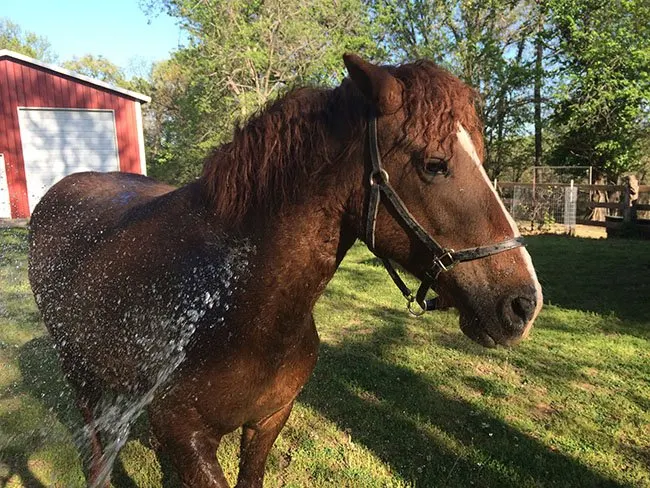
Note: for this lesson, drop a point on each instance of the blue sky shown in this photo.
(118, 29)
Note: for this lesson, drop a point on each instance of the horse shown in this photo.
(198, 300)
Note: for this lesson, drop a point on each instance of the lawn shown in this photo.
(397, 401)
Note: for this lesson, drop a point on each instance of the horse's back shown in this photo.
(79, 212)
(122, 263)
(71, 228)
(83, 201)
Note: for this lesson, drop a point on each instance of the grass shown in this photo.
(397, 401)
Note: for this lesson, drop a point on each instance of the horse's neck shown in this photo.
(304, 250)
(300, 249)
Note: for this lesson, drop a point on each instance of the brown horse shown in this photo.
(197, 302)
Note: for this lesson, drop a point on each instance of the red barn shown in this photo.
(54, 122)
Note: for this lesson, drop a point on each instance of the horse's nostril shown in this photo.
(523, 308)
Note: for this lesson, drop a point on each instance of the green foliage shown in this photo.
(239, 55)
(97, 67)
(180, 124)
(487, 44)
(602, 110)
(12, 37)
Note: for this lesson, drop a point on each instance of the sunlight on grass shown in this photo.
(396, 401)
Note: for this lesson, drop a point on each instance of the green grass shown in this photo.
(397, 401)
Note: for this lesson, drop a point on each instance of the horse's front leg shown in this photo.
(189, 444)
(256, 442)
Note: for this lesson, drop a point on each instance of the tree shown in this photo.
(171, 123)
(97, 67)
(13, 38)
(487, 44)
(240, 55)
(589, 57)
(603, 107)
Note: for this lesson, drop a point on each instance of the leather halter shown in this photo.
(444, 259)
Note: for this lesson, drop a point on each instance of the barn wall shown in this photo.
(24, 85)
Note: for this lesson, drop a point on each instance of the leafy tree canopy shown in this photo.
(486, 43)
(579, 69)
(12, 37)
(97, 67)
(240, 55)
(602, 109)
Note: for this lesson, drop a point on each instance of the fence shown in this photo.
(542, 205)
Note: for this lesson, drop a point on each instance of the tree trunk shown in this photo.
(537, 90)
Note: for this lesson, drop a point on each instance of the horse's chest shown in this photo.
(290, 371)
(257, 382)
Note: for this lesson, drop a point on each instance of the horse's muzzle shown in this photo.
(504, 324)
(517, 312)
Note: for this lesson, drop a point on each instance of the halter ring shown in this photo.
(415, 312)
(378, 177)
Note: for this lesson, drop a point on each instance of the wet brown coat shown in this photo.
(280, 205)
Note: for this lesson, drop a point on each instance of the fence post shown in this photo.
(630, 199)
(570, 207)
(599, 196)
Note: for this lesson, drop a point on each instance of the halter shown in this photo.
(444, 258)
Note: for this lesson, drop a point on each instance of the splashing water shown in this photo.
(158, 337)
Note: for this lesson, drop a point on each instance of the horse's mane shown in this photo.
(278, 154)
(436, 101)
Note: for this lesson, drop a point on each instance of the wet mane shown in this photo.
(278, 154)
(436, 101)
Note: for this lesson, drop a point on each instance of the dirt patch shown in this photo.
(10, 223)
(586, 231)
(543, 411)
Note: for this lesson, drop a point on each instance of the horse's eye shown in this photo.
(436, 167)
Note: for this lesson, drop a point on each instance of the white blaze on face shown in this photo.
(466, 143)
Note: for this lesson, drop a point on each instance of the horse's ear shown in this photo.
(376, 83)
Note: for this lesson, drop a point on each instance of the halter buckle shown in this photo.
(379, 177)
(439, 261)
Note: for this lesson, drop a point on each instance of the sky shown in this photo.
(119, 30)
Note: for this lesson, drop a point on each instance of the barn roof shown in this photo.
(5, 53)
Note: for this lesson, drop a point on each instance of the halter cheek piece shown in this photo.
(444, 259)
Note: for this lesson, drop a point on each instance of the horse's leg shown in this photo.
(86, 402)
(187, 441)
(256, 442)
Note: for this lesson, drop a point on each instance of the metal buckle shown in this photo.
(415, 312)
(379, 177)
(438, 260)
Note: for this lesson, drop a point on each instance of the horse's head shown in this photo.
(430, 144)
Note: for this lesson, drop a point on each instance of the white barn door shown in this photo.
(59, 142)
(5, 208)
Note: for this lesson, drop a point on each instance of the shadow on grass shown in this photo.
(399, 414)
(20, 304)
(44, 381)
(602, 276)
(410, 424)
(592, 275)
(17, 464)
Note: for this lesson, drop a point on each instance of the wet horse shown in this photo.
(198, 300)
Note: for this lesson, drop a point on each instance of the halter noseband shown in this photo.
(444, 259)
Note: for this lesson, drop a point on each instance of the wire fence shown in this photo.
(545, 205)
(550, 207)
